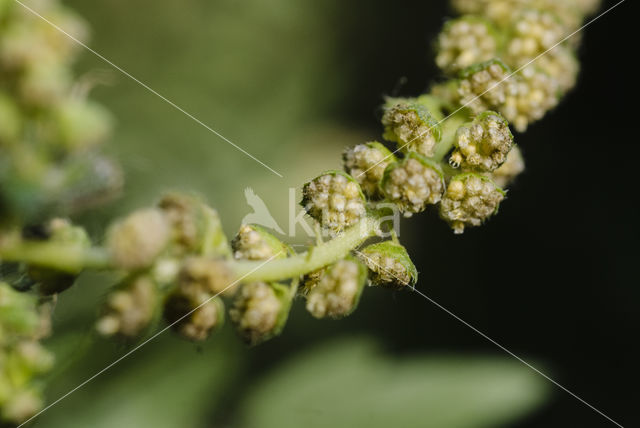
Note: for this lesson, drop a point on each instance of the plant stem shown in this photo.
(62, 257)
(317, 257)
(449, 128)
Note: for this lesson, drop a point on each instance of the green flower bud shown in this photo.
(534, 32)
(45, 83)
(30, 358)
(130, 308)
(465, 41)
(485, 86)
(338, 291)
(389, 265)
(206, 274)
(534, 94)
(482, 145)
(196, 226)
(136, 241)
(413, 183)
(366, 163)
(410, 124)
(510, 169)
(469, 200)
(260, 311)
(18, 312)
(23, 404)
(194, 315)
(254, 243)
(334, 199)
(77, 124)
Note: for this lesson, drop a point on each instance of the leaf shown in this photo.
(351, 383)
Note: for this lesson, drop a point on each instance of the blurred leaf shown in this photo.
(351, 383)
(171, 385)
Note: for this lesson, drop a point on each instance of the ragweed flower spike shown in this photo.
(130, 308)
(470, 199)
(136, 241)
(337, 293)
(482, 145)
(334, 199)
(465, 41)
(389, 265)
(260, 310)
(510, 169)
(413, 183)
(410, 124)
(366, 163)
(254, 243)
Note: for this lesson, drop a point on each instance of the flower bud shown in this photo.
(534, 32)
(338, 291)
(194, 314)
(254, 243)
(465, 41)
(410, 124)
(130, 308)
(21, 405)
(260, 311)
(482, 145)
(389, 265)
(366, 163)
(534, 94)
(469, 200)
(77, 124)
(18, 312)
(413, 183)
(196, 226)
(207, 274)
(334, 199)
(510, 169)
(560, 64)
(136, 241)
(45, 83)
(485, 85)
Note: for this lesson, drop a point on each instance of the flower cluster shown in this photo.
(536, 53)
(48, 128)
(23, 360)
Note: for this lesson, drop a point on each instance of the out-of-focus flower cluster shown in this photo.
(23, 360)
(533, 39)
(50, 131)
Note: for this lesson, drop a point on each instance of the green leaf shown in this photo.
(350, 383)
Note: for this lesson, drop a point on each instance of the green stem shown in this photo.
(317, 257)
(62, 257)
(449, 128)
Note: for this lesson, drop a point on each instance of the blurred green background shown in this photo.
(293, 83)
